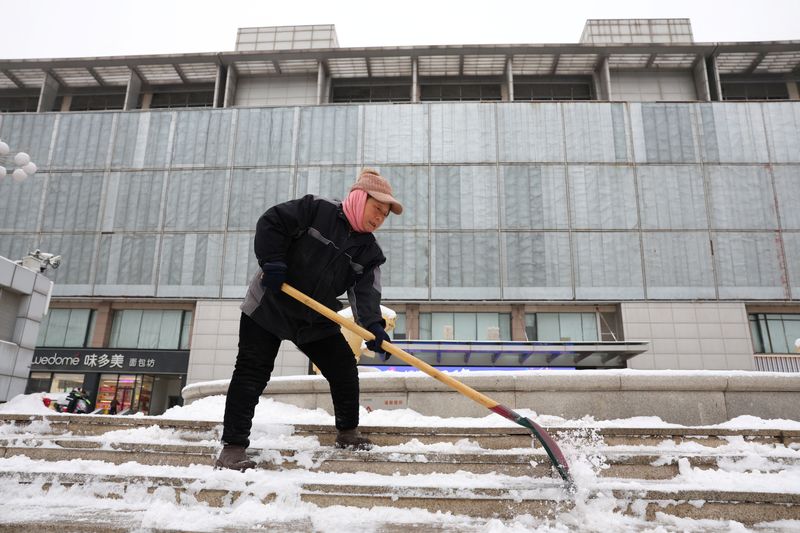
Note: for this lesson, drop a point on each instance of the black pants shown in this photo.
(258, 349)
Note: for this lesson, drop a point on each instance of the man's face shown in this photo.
(375, 213)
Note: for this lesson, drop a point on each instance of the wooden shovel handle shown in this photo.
(389, 347)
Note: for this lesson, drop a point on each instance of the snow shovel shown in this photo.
(547, 442)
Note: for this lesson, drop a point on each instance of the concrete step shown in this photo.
(617, 462)
(534, 496)
(486, 437)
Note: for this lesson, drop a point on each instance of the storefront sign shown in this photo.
(111, 360)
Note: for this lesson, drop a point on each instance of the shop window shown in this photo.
(774, 333)
(578, 327)
(66, 382)
(39, 382)
(465, 326)
(163, 329)
(132, 392)
(67, 328)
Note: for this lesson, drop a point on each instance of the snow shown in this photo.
(742, 464)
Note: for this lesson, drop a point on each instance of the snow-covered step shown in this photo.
(617, 462)
(486, 437)
(489, 496)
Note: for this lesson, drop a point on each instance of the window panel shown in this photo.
(732, 133)
(253, 191)
(466, 265)
(405, 273)
(463, 133)
(678, 265)
(791, 244)
(82, 141)
(264, 137)
(411, 186)
(127, 260)
(672, 197)
(741, 197)
(602, 197)
(607, 265)
(195, 200)
(595, 132)
(465, 197)
(78, 258)
(748, 265)
(663, 133)
(239, 263)
(29, 133)
(329, 182)
(329, 135)
(396, 134)
(782, 120)
(534, 197)
(19, 202)
(133, 200)
(202, 137)
(190, 265)
(72, 202)
(774, 333)
(530, 132)
(537, 266)
(787, 190)
(148, 329)
(143, 140)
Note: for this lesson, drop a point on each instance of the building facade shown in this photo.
(634, 186)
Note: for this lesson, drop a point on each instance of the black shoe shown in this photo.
(234, 457)
(351, 439)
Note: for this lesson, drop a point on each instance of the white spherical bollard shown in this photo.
(22, 158)
(30, 169)
(19, 175)
(3, 171)
(3, 148)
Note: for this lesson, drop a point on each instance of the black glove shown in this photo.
(376, 329)
(273, 275)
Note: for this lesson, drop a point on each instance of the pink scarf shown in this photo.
(353, 207)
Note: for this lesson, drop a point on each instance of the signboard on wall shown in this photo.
(111, 360)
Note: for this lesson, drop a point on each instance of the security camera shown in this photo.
(41, 261)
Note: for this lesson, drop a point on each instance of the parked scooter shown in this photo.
(78, 402)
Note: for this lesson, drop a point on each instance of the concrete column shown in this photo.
(518, 323)
(132, 92)
(102, 326)
(65, 103)
(509, 80)
(415, 79)
(412, 321)
(794, 94)
(321, 83)
(701, 85)
(47, 96)
(146, 99)
(230, 87)
(604, 81)
(219, 85)
(712, 74)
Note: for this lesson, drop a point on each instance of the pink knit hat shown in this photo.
(376, 186)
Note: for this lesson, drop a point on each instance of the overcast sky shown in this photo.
(87, 28)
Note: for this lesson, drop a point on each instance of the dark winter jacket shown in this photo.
(324, 258)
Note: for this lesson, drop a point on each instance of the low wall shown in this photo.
(695, 398)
